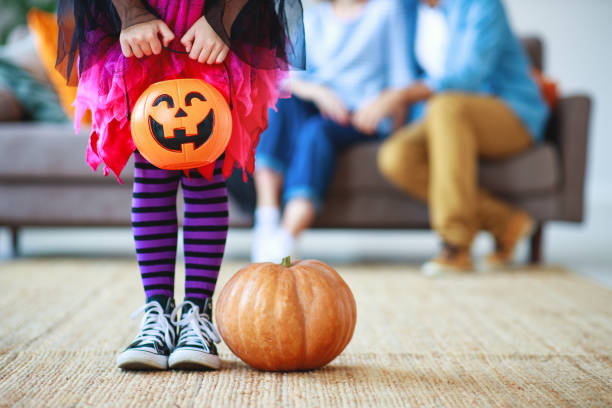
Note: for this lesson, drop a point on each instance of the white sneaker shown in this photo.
(286, 246)
(272, 245)
(263, 249)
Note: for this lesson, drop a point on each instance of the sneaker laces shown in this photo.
(193, 326)
(153, 323)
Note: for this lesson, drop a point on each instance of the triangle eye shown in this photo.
(164, 98)
(192, 95)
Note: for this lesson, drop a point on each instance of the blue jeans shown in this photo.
(302, 145)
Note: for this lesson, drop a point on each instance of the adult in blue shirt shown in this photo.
(480, 102)
(355, 49)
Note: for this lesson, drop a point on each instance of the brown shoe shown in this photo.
(519, 227)
(452, 259)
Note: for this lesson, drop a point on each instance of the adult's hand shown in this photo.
(388, 104)
(331, 106)
(326, 100)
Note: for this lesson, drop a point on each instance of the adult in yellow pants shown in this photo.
(480, 102)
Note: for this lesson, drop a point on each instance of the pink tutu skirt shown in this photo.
(112, 83)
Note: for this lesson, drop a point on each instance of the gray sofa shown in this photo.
(44, 180)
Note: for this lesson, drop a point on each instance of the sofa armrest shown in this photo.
(569, 131)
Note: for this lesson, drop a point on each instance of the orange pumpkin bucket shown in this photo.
(181, 124)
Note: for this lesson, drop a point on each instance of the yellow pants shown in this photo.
(437, 161)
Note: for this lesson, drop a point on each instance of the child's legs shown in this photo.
(312, 169)
(276, 147)
(204, 231)
(154, 224)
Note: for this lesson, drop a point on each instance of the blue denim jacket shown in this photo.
(484, 57)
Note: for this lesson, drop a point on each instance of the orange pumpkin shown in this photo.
(286, 317)
(181, 124)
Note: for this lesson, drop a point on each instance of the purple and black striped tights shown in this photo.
(155, 227)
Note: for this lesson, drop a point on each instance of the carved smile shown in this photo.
(175, 143)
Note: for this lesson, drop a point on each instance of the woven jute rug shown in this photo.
(533, 337)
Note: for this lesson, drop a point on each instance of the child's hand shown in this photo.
(203, 44)
(367, 118)
(143, 39)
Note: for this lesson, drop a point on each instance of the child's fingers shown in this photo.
(214, 51)
(136, 50)
(146, 49)
(125, 49)
(156, 45)
(222, 55)
(188, 45)
(206, 50)
(212, 58)
(196, 49)
(188, 40)
(166, 33)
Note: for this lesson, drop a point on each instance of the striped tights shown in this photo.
(155, 227)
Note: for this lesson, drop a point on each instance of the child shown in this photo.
(355, 49)
(125, 46)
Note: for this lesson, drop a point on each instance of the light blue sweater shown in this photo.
(484, 57)
(360, 57)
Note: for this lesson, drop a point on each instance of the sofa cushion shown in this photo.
(41, 152)
(79, 203)
(536, 170)
(44, 151)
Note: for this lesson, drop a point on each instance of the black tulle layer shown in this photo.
(248, 27)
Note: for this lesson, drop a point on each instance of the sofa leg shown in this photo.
(15, 240)
(535, 253)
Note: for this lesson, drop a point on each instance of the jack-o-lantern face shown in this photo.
(181, 124)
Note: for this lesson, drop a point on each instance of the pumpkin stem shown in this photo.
(286, 262)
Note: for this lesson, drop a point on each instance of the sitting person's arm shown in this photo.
(367, 117)
(392, 102)
(330, 105)
(477, 54)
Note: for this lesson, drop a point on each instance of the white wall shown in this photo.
(578, 53)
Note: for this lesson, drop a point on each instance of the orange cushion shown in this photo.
(43, 26)
(548, 88)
